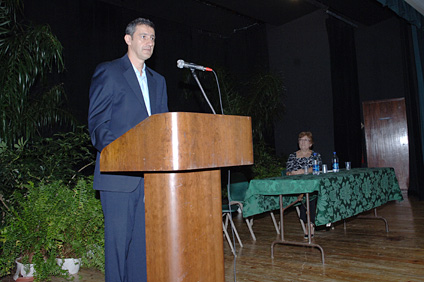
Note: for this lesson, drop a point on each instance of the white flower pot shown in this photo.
(23, 270)
(70, 264)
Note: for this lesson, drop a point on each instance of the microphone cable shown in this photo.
(219, 92)
(232, 229)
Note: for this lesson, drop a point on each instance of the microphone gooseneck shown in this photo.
(181, 64)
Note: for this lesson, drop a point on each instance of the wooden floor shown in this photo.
(362, 252)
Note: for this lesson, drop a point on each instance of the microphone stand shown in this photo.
(201, 88)
(229, 172)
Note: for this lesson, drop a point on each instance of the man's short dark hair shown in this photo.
(139, 21)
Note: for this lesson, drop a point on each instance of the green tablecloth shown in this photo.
(340, 195)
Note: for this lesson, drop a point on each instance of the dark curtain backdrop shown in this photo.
(346, 102)
(413, 43)
(418, 51)
(416, 166)
(92, 31)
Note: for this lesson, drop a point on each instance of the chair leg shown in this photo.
(275, 222)
(228, 240)
(235, 230)
(301, 221)
(248, 222)
(226, 216)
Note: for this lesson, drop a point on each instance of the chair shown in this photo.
(227, 211)
(238, 187)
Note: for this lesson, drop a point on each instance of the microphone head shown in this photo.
(180, 64)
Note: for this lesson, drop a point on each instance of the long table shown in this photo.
(340, 195)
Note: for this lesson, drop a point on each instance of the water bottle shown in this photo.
(335, 162)
(315, 164)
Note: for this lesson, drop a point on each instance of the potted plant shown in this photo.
(24, 235)
(53, 221)
(78, 234)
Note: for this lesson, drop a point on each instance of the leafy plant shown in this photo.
(79, 228)
(264, 103)
(47, 209)
(60, 157)
(25, 232)
(29, 103)
(53, 220)
(267, 163)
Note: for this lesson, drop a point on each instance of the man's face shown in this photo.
(142, 42)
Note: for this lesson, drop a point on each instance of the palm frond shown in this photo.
(28, 53)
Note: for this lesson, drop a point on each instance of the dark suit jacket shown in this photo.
(117, 105)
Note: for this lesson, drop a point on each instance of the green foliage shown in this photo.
(80, 232)
(264, 103)
(25, 233)
(61, 157)
(29, 103)
(53, 220)
(48, 209)
(267, 163)
(232, 102)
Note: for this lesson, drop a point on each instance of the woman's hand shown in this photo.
(296, 172)
(299, 171)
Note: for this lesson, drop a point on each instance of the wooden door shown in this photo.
(386, 136)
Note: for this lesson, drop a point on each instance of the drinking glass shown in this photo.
(348, 165)
(324, 168)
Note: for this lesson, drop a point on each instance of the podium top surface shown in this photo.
(180, 141)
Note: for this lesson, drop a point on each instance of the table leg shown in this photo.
(285, 242)
(375, 217)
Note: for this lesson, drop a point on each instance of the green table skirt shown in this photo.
(340, 195)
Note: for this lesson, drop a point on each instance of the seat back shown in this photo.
(238, 187)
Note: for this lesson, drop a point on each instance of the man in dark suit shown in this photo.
(124, 92)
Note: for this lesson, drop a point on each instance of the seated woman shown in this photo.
(296, 164)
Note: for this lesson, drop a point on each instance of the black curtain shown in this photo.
(416, 166)
(346, 101)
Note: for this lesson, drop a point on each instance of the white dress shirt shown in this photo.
(142, 81)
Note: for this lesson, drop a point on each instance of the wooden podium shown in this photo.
(181, 155)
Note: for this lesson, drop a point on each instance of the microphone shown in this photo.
(181, 64)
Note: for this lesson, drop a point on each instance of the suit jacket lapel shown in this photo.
(131, 78)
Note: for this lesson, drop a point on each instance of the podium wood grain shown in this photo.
(179, 142)
(184, 235)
